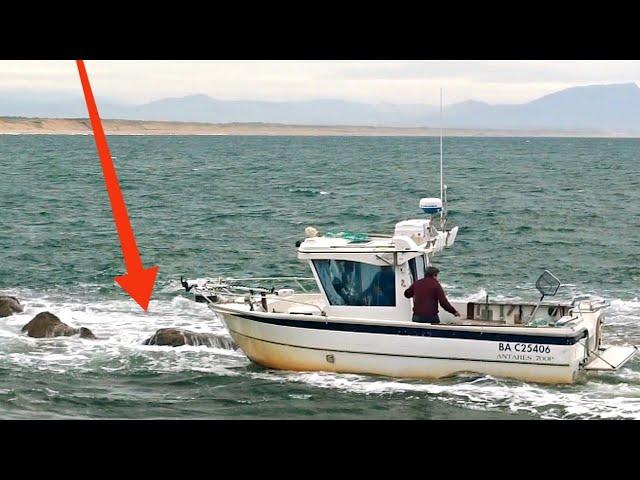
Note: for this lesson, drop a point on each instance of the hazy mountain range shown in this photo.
(614, 107)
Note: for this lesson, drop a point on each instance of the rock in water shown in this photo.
(174, 337)
(9, 306)
(47, 325)
(86, 333)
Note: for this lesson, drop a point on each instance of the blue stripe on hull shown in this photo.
(418, 331)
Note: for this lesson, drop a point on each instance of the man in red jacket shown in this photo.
(427, 292)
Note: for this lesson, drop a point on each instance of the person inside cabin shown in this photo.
(343, 283)
(427, 293)
(381, 292)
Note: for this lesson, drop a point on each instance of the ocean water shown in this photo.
(205, 206)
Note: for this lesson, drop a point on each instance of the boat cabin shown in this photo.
(355, 272)
(365, 276)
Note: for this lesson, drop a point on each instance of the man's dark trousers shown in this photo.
(425, 318)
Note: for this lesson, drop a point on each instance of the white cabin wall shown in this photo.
(404, 305)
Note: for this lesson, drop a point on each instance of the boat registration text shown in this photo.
(524, 351)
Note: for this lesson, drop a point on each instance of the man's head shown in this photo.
(431, 272)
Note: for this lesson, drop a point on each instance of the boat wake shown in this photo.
(597, 399)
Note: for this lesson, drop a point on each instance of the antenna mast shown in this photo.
(443, 212)
(441, 177)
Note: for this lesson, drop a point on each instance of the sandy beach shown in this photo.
(79, 126)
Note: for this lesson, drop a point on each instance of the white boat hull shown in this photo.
(411, 351)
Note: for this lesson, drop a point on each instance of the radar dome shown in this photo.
(431, 205)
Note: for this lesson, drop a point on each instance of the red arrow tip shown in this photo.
(139, 285)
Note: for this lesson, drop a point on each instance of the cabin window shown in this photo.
(357, 284)
(412, 270)
(420, 266)
(416, 269)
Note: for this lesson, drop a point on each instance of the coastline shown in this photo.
(80, 126)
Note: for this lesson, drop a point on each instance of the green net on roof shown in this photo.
(351, 236)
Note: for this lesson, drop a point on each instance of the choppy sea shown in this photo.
(234, 206)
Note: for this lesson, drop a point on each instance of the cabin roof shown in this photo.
(411, 237)
(332, 244)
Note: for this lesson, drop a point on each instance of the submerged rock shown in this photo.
(9, 306)
(47, 325)
(174, 337)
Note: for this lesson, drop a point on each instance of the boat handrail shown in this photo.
(562, 323)
(262, 279)
(282, 299)
(594, 305)
(266, 296)
(212, 283)
(244, 279)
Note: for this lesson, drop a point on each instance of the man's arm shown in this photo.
(444, 303)
(409, 291)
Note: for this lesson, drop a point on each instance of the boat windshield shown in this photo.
(357, 284)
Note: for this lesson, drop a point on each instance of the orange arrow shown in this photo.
(138, 281)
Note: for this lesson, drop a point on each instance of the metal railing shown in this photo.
(251, 298)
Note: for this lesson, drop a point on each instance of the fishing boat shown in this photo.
(357, 319)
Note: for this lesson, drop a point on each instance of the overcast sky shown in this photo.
(367, 81)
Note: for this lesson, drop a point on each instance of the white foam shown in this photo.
(478, 296)
(590, 400)
(121, 327)
(626, 306)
